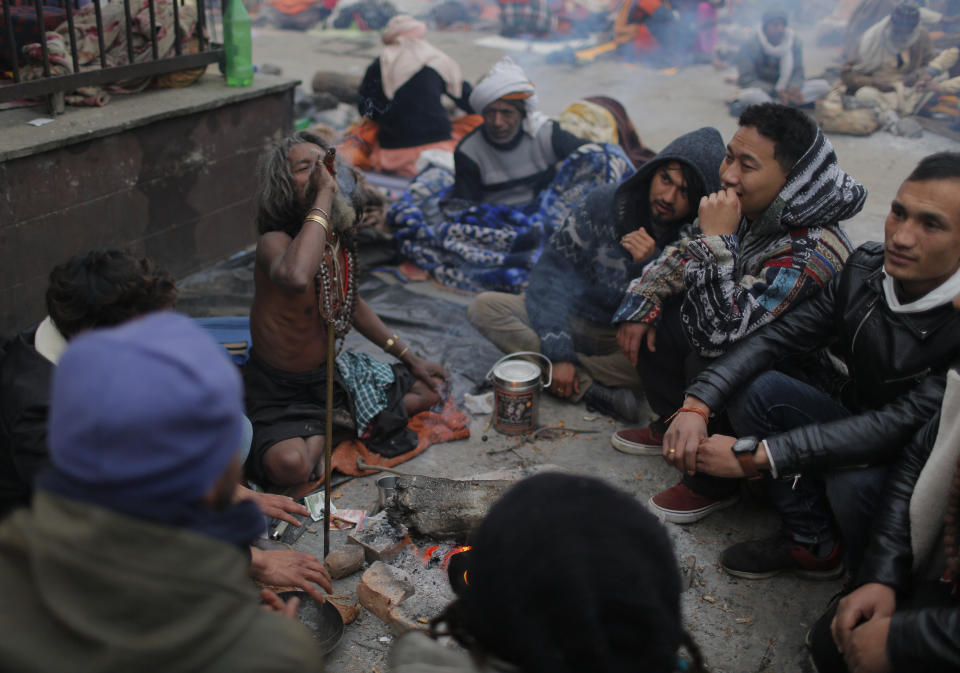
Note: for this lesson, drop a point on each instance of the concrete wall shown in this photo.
(179, 188)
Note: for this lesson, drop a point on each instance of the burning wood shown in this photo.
(443, 509)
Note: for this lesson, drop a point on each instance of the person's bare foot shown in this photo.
(318, 470)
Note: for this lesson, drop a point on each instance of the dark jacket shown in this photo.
(24, 404)
(513, 173)
(585, 270)
(757, 69)
(897, 365)
(416, 115)
(926, 639)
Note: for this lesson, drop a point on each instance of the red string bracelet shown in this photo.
(703, 414)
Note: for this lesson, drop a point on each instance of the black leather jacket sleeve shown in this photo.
(889, 557)
(925, 640)
(872, 436)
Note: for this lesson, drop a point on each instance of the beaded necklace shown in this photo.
(337, 290)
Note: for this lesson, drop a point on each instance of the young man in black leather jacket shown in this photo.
(888, 317)
(905, 614)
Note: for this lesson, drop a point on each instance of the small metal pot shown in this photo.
(517, 383)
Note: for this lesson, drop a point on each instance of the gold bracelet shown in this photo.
(322, 212)
(319, 220)
(405, 349)
(390, 342)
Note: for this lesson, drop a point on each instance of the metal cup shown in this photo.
(386, 487)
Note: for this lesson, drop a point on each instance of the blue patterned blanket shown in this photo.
(493, 247)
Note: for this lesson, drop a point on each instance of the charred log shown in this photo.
(443, 509)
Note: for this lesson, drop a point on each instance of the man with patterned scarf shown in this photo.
(767, 241)
(770, 66)
(887, 317)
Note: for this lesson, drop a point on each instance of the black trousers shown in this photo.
(666, 373)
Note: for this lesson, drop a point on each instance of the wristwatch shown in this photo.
(744, 449)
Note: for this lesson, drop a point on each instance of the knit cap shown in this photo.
(152, 409)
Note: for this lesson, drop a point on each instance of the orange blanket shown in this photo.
(431, 428)
(362, 150)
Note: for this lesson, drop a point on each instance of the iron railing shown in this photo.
(209, 16)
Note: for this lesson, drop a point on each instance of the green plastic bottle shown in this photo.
(237, 45)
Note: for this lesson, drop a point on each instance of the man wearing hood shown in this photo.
(512, 156)
(888, 317)
(578, 283)
(133, 554)
(770, 239)
(890, 59)
(770, 66)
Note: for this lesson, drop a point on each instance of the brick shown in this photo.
(345, 560)
(382, 588)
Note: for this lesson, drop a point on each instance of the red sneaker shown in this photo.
(759, 559)
(638, 441)
(682, 505)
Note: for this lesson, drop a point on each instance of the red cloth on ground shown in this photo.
(431, 428)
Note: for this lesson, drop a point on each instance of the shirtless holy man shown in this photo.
(305, 275)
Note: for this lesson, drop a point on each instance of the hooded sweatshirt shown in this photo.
(734, 284)
(585, 270)
(90, 589)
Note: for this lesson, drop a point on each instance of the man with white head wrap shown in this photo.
(512, 157)
(402, 97)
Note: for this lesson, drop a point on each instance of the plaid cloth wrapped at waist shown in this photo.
(368, 380)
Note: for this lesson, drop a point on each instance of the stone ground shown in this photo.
(740, 625)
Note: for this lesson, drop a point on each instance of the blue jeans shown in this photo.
(773, 403)
(854, 495)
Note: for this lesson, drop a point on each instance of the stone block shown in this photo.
(345, 560)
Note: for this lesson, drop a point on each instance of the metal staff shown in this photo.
(328, 442)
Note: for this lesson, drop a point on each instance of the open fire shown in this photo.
(427, 555)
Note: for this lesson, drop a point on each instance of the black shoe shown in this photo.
(616, 402)
(759, 559)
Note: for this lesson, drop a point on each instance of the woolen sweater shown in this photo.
(512, 173)
(585, 270)
(733, 284)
